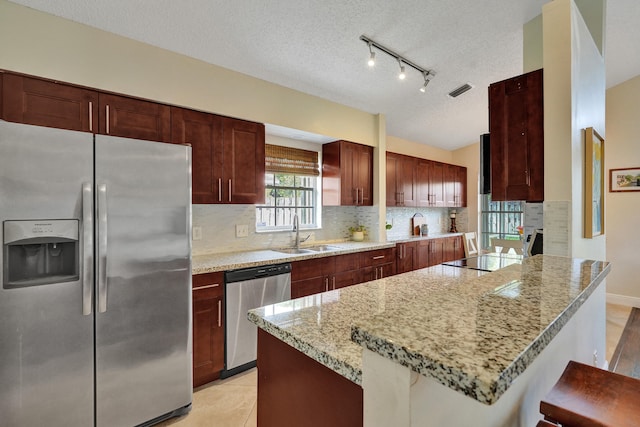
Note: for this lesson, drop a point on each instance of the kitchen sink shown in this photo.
(322, 248)
(292, 251)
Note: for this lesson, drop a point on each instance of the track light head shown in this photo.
(427, 79)
(402, 75)
(372, 56)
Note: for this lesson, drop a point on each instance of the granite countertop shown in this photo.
(209, 263)
(472, 331)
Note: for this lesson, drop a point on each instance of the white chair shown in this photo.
(471, 244)
(506, 246)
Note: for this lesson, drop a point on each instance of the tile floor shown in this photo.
(232, 402)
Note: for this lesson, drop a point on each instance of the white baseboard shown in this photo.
(623, 300)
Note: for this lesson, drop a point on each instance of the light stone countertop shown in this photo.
(472, 331)
(209, 263)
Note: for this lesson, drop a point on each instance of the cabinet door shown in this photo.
(400, 180)
(436, 251)
(422, 183)
(517, 138)
(393, 196)
(452, 249)
(406, 257)
(436, 184)
(311, 276)
(243, 180)
(204, 133)
(422, 254)
(449, 180)
(364, 174)
(45, 103)
(208, 328)
(461, 186)
(349, 191)
(346, 271)
(134, 118)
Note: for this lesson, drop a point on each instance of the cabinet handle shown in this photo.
(229, 189)
(381, 273)
(215, 285)
(107, 120)
(376, 270)
(362, 191)
(378, 257)
(326, 284)
(526, 176)
(219, 313)
(90, 115)
(219, 189)
(333, 282)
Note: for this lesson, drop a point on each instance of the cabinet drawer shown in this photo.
(347, 262)
(378, 257)
(209, 281)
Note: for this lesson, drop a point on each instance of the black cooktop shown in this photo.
(488, 262)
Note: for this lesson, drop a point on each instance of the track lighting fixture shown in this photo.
(402, 61)
(372, 57)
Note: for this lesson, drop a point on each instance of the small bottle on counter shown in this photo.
(424, 230)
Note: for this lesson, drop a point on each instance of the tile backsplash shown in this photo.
(218, 225)
(437, 219)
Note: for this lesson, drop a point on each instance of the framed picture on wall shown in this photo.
(593, 184)
(622, 180)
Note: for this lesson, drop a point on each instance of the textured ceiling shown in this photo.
(314, 47)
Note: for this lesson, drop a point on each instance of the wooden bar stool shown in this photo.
(585, 396)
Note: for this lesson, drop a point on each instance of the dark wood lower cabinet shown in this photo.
(295, 390)
(208, 327)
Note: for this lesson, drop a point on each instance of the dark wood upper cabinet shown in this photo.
(401, 180)
(430, 182)
(203, 132)
(243, 155)
(227, 156)
(134, 118)
(455, 178)
(43, 102)
(517, 138)
(347, 174)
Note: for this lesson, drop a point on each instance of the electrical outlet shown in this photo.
(242, 230)
(196, 233)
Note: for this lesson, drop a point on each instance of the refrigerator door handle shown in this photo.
(102, 248)
(87, 248)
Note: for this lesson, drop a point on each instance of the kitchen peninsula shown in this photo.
(437, 346)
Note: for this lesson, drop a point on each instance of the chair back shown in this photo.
(470, 244)
(505, 246)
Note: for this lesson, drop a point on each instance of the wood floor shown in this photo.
(626, 357)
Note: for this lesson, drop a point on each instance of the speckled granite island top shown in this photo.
(472, 331)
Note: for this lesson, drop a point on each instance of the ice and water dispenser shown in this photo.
(40, 252)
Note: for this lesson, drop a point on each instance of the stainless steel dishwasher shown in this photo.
(245, 289)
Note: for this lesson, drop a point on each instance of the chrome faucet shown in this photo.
(296, 228)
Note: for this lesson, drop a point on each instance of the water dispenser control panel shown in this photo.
(40, 252)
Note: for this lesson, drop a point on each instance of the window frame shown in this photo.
(502, 214)
(296, 207)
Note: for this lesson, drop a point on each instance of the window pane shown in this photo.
(285, 195)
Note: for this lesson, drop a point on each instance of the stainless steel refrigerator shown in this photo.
(95, 303)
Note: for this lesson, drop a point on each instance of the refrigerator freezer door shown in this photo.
(46, 343)
(143, 320)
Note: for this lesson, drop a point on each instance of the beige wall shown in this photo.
(574, 98)
(622, 148)
(409, 148)
(469, 156)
